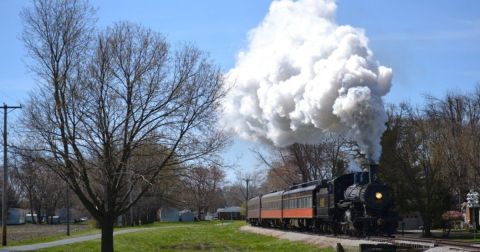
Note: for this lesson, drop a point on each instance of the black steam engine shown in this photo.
(354, 204)
(366, 206)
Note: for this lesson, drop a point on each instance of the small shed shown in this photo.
(186, 216)
(229, 213)
(410, 221)
(210, 216)
(168, 214)
(61, 215)
(52, 219)
(16, 216)
(29, 216)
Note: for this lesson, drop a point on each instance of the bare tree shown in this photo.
(306, 162)
(473, 134)
(324, 160)
(448, 117)
(37, 183)
(202, 188)
(164, 192)
(98, 103)
(25, 176)
(14, 192)
(412, 165)
(457, 119)
(235, 193)
(280, 176)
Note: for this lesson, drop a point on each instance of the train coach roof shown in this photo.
(302, 189)
(273, 194)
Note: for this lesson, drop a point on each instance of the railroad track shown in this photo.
(436, 242)
(405, 241)
(426, 243)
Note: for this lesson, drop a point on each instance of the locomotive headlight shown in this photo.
(378, 195)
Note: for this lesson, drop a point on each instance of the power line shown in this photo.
(247, 180)
(5, 173)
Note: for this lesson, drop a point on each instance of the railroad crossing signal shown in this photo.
(472, 202)
(473, 199)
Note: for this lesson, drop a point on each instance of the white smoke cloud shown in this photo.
(302, 75)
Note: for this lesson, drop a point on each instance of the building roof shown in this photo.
(233, 209)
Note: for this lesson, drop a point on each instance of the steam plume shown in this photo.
(302, 75)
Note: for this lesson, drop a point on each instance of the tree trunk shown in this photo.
(427, 226)
(107, 234)
(31, 209)
(39, 214)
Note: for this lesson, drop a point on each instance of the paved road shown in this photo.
(38, 246)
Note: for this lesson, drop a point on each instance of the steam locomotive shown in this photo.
(354, 204)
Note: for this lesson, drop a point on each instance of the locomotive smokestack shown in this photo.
(372, 172)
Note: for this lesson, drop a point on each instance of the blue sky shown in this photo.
(432, 46)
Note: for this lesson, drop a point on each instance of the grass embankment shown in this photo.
(211, 236)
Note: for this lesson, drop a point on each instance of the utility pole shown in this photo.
(5, 174)
(67, 196)
(246, 200)
(130, 200)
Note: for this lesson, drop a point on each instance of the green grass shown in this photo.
(193, 237)
(76, 233)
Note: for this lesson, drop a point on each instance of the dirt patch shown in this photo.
(31, 231)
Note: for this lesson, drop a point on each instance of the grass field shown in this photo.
(39, 233)
(209, 236)
(36, 233)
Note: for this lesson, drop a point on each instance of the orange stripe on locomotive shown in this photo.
(298, 213)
